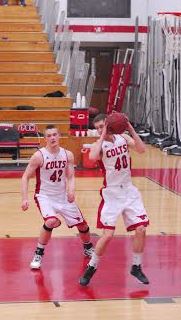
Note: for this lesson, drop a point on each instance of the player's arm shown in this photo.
(134, 141)
(70, 175)
(96, 148)
(34, 163)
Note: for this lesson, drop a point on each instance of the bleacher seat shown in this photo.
(9, 140)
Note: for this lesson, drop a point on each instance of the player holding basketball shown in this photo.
(119, 195)
(54, 193)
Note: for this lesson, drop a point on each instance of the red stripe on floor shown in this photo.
(11, 174)
(168, 178)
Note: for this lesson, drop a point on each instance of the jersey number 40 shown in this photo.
(121, 163)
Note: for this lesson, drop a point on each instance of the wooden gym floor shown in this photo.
(54, 291)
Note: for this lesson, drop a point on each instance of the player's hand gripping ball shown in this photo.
(117, 123)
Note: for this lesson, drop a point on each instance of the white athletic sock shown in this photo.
(94, 260)
(41, 246)
(137, 258)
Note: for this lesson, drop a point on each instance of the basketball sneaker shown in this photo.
(88, 249)
(37, 259)
(138, 273)
(88, 274)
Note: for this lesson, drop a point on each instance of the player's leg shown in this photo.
(135, 219)
(138, 249)
(74, 218)
(106, 220)
(51, 221)
(84, 234)
(45, 235)
(99, 250)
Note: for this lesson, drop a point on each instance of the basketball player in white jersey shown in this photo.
(54, 193)
(119, 195)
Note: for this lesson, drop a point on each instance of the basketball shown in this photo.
(117, 123)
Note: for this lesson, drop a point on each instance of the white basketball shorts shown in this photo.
(51, 206)
(118, 201)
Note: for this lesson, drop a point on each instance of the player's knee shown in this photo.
(52, 223)
(108, 237)
(83, 227)
(140, 230)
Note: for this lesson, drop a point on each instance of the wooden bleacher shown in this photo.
(28, 67)
(8, 102)
(31, 77)
(30, 89)
(26, 56)
(34, 116)
(74, 144)
(27, 73)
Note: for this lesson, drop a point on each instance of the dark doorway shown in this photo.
(103, 54)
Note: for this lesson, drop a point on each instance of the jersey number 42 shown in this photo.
(56, 176)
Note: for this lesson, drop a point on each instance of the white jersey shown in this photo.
(50, 177)
(115, 162)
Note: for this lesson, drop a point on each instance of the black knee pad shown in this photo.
(47, 228)
(84, 231)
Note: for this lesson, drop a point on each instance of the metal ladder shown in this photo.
(120, 79)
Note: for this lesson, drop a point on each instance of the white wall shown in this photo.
(140, 8)
(155, 6)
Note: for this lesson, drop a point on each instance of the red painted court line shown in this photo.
(167, 178)
(10, 174)
(79, 173)
(58, 279)
(88, 173)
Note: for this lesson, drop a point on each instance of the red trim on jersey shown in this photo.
(66, 162)
(100, 225)
(101, 164)
(83, 222)
(50, 217)
(37, 203)
(130, 162)
(134, 226)
(78, 224)
(81, 214)
(38, 180)
(108, 227)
